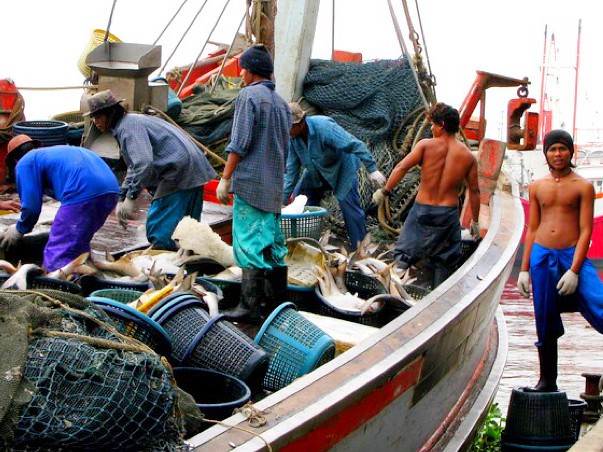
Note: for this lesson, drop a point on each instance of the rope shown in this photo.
(255, 418)
(109, 24)
(202, 48)
(170, 22)
(426, 51)
(182, 37)
(55, 88)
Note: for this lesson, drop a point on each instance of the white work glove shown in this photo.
(474, 229)
(124, 211)
(223, 190)
(523, 283)
(10, 237)
(568, 283)
(380, 195)
(377, 178)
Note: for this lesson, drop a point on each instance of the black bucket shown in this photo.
(538, 421)
(576, 412)
(215, 393)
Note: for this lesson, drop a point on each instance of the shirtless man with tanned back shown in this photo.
(432, 229)
(556, 243)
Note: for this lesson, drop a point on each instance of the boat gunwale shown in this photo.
(374, 370)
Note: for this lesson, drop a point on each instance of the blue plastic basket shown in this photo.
(122, 295)
(306, 224)
(295, 345)
(50, 133)
(130, 322)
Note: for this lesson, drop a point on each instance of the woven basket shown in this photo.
(96, 38)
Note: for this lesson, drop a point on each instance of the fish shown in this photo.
(211, 299)
(233, 273)
(19, 279)
(71, 268)
(123, 266)
(7, 267)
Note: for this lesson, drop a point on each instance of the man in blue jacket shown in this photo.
(331, 157)
(78, 178)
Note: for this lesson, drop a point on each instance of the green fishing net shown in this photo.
(71, 382)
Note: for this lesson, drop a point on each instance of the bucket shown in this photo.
(50, 133)
(296, 346)
(215, 393)
(537, 420)
(198, 341)
(576, 412)
(96, 38)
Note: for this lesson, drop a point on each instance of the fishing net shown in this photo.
(379, 103)
(72, 382)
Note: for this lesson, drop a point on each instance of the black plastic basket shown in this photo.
(576, 412)
(44, 282)
(130, 322)
(215, 343)
(366, 287)
(90, 283)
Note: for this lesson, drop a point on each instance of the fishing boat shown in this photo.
(425, 380)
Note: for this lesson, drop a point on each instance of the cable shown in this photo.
(170, 22)
(109, 24)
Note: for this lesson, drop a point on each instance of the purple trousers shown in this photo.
(73, 228)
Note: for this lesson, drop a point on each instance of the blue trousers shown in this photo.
(257, 238)
(165, 213)
(547, 266)
(353, 215)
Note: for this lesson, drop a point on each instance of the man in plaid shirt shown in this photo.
(254, 172)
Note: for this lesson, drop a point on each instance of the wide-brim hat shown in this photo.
(100, 101)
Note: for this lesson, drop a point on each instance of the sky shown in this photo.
(42, 43)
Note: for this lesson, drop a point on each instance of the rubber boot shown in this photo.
(547, 357)
(276, 287)
(252, 297)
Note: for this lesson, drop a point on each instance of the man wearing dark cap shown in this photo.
(160, 158)
(254, 172)
(556, 243)
(78, 178)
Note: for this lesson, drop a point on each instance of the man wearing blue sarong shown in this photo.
(254, 172)
(83, 183)
(162, 159)
(556, 243)
(330, 156)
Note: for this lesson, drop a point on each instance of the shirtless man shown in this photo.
(432, 229)
(556, 243)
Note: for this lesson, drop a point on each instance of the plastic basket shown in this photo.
(90, 283)
(130, 322)
(44, 282)
(215, 393)
(50, 133)
(296, 346)
(122, 295)
(366, 287)
(576, 412)
(199, 341)
(96, 39)
(306, 224)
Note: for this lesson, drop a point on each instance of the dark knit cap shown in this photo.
(558, 136)
(257, 59)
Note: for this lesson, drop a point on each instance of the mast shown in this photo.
(576, 82)
(543, 69)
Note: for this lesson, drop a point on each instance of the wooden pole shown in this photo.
(576, 83)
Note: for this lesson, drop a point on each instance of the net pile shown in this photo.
(72, 382)
(379, 103)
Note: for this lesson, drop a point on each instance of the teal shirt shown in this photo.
(331, 152)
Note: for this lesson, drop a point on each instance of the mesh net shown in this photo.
(68, 380)
(379, 103)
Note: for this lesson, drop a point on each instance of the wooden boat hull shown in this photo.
(407, 386)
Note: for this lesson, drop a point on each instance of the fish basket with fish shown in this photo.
(46, 282)
(132, 323)
(210, 343)
(296, 346)
(363, 302)
(90, 283)
(305, 224)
